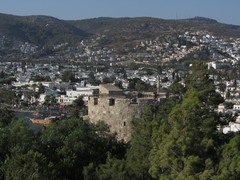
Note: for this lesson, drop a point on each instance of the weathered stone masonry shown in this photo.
(116, 110)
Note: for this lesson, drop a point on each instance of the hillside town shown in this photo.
(190, 44)
(88, 67)
(119, 90)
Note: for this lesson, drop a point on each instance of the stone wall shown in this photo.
(116, 111)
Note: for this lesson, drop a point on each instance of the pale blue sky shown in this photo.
(226, 11)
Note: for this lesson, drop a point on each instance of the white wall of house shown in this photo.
(52, 85)
(72, 95)
(41, 98)
(232, 127)
(221, 108)
(66, 100)
(79, 93)
(236, 107)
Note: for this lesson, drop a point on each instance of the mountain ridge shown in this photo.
(45, 31)
(37, 29)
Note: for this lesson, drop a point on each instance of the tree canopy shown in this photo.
(60, 151)
(180, 139)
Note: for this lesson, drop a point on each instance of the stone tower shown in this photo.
(116, 109)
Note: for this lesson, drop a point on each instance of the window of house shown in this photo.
(124, 123)
(111, 102)
(95, 101)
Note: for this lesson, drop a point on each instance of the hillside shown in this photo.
(128, 30)
(42, 33)
(39, 30)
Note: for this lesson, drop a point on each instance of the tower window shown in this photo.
(95, 101)
(111, 102)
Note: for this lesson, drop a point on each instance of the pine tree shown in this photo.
(199, 80)
(229, 166)
(140, 145)
(183, 147)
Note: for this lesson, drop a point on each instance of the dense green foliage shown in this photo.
(68, 76)
(7, 96)
(177, 140)
(184, 144)
(139, 85)
(59, 151)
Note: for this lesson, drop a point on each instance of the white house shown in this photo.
(221, 108)
(236, 107)
(232, 127)
(83, 91)
(71, 95)
(65, 100)
(47, 93)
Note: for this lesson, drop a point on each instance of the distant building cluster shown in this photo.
(106, 102)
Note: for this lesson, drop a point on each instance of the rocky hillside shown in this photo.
(39, 30)
(43, 33)
(127, 30)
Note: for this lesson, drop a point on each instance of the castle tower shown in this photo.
(116, 109)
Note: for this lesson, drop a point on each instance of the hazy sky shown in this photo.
(226, 11)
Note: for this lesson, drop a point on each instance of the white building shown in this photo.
(41, 98)
(71, 95)
(233, 126)
(65, 100)
(221, 108)
(83, 91)
(236, 107)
